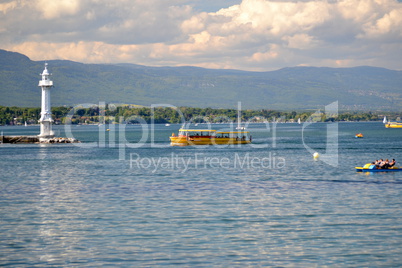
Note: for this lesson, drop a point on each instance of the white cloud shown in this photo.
(389, 23)
(253, 34)
(300, 41)
(5, 7)
(276, 18)
(56, 9)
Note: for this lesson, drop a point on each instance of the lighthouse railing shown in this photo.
(46, 83)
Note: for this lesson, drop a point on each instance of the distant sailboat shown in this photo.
(26, 123)
(299, 121)
(385, 120)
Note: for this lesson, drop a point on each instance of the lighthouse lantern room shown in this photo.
(46, 113)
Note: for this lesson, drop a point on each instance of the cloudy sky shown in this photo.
(258, 35)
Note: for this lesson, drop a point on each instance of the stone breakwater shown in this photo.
(35, 139)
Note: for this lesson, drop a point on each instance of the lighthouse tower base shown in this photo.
(46, 130)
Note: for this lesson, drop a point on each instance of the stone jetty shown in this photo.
(35, 139)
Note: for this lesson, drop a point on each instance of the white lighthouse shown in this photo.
(46, 113)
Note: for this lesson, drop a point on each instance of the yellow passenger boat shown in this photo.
(209, 137)
(393, 125)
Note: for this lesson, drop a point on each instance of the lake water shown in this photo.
(145, 204)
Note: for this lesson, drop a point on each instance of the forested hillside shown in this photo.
(360, 88)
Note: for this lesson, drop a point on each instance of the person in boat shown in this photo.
(381, 163)
(385, 164)
(392, 163)
(377, 163)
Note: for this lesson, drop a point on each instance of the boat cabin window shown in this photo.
(233, 135)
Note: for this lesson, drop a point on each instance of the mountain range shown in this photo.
(358, 88)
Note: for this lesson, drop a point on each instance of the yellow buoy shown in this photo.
(107, 129)
(316, 155)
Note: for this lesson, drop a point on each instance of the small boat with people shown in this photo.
(359, 135)
(379, 166)
(187, 137)
(393, 125)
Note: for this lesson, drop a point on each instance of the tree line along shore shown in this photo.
(109, 114)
